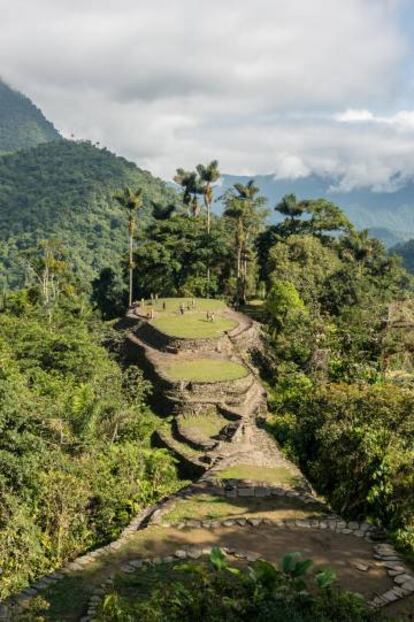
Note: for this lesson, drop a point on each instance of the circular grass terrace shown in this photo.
(205, 370)
(192, 325)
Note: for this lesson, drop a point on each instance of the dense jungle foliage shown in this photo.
(65, 190)
(341, 368)
(75, 455)
(22, 124)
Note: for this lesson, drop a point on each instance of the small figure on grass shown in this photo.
(208, 315)
(182, 309)
(164, 306)
(212, 316)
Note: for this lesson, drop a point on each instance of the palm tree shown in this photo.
(131, 201)
(207, 176)
(190, 183)
(243, 205)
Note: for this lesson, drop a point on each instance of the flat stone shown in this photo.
(260, 492)
(252, 557)
(94, 599)
(402, 578)
(229, 523)
(359, 534)
(194, 553)
(303, 523)
(323, 524)
(353, 525)
(206, 550)
(400, 592)
(180, 554)
(168, 559)
(346, 531)
(394, 566)
(408, 586)
(361, 567)
(390, 596)
(254, 522)
(241, 521)
(341, 524)
(136, 563)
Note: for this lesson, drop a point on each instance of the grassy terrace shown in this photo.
(274, 475)
(205, 370)
(192, 325)
(209, 507)
(208, 424)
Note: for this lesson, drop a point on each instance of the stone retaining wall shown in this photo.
(403, 584)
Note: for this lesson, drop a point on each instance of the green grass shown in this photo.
(208, 424)
(209, 507)
(192, 325)
(205, 370)
(274, 475)
(172, 305)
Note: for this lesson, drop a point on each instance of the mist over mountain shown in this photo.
(388, 215)
(22, 124)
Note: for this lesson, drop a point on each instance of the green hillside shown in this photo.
(22, 124)
(65, 189)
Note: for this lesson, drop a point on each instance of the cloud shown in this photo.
(258, 84)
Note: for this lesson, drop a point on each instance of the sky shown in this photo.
(287, 87)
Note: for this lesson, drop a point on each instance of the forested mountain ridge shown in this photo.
(65, 190)
(22, 124)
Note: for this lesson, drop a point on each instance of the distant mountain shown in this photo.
(65, 189)
(406, 252)
(22, 124)
(388, 215)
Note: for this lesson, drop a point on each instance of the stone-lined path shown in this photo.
(249, 518)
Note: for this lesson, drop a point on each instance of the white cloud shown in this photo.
(257, 84)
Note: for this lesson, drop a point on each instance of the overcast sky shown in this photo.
(265, 86)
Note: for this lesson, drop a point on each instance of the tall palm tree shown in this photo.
(244, 205)
(190, 184)
(131, 201)
(208, 175)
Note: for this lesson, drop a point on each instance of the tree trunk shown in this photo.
(207, 204)
(130, 268)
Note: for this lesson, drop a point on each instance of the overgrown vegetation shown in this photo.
(217, 591)
(75, 456)
(337, 409)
